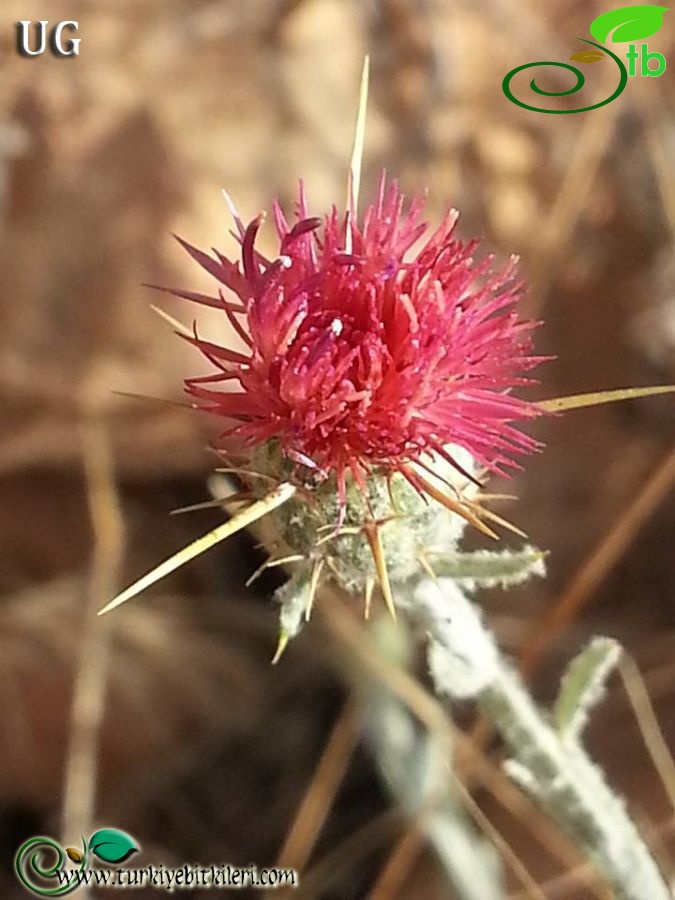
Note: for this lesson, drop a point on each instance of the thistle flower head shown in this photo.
(379, 362)
(368, 360)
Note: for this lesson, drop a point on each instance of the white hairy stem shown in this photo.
(416, 766)
(465, 663)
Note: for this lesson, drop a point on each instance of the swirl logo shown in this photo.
(41, 864)
(630, 23)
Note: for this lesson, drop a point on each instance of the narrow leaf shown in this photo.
(485, 568)
(583, 685)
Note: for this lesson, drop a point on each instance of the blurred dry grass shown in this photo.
(204, 751)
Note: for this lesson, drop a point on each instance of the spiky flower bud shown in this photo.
(407, 523)
(377, 375)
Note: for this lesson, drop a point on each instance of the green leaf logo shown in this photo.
(112, 845)
(631, 23)
(587, 56)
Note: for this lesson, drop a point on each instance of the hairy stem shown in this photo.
(415, 765)
(555, 769)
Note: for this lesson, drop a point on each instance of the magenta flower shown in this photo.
(369, 359)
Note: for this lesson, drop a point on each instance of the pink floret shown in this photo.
(369, 358)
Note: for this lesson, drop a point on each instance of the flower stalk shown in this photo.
(414, 765)
(549, 764)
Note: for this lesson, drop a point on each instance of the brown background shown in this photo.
(204, 750)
